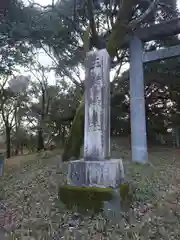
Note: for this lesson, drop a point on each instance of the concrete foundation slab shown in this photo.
(106, 173)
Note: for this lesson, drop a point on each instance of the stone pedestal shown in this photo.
(107, 173)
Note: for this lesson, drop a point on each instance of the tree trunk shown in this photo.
(40, 144)
(8, 141)
(17, 149)
(18, 135)
(63, 135)
(75, 139)
(21, 149)
(73, 145)
(120, 28)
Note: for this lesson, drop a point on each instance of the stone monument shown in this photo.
(97, 169)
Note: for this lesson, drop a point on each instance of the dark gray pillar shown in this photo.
(137, 100)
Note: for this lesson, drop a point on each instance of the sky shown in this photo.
(42, 56)
(43, 2)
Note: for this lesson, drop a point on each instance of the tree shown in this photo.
(13, 100)
(61, 37)
(123, 24)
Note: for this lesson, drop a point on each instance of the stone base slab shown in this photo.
(107, 173)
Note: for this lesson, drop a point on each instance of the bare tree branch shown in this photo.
(65, 72)
(133, 24)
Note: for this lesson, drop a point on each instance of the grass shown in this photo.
(29, 190)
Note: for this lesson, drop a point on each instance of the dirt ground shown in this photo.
(30, 209)
(18, 162)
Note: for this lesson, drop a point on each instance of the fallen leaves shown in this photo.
(30, 209)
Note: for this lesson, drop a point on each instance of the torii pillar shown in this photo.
(137, 103)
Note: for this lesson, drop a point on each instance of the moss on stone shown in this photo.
(93, 198)
(92, 193)
(84, 198)
(127, 195)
